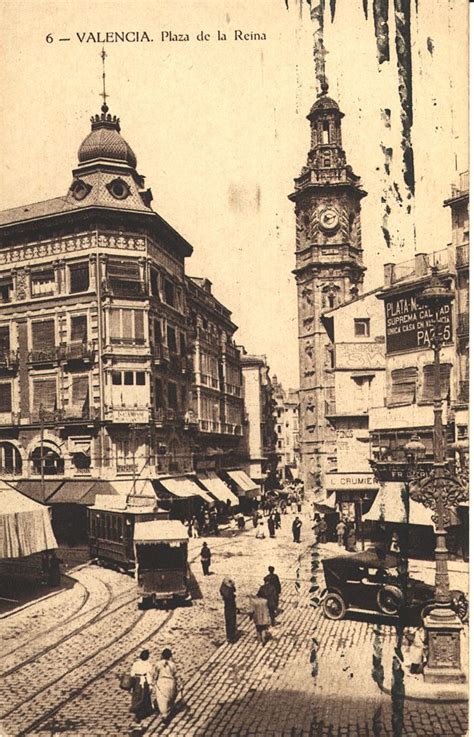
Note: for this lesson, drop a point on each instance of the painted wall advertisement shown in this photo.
(410, 325)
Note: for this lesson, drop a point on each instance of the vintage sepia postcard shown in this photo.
(234, 368)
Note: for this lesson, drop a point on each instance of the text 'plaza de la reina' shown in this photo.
(116, 368)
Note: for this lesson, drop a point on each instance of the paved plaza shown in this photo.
(63, 656)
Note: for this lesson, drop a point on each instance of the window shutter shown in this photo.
(43, 335)
(6, 397)
(44, 394)
(139, 327)
(428, 381)
(114, 324)
(80, 394)
(127, 329)
(404, 385)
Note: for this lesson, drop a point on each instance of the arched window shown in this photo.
(53, 464)
(10, 459)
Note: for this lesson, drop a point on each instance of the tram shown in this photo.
(111, 526)
(161, 554)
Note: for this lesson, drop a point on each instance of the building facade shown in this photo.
(259, 439)
(329, 272)
(286, 414)
(113, 363)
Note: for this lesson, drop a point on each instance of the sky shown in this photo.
(219, 129)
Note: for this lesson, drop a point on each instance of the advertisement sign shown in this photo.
(410, 325)
(350, 481)
(130, 415)
(400, 472)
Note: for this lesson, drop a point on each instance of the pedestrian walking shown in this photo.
(194, 527)
(340, 530)
(227, 591)
(261, 618)
(273, 579)
(205, 559)
(166, 685)
(271, 525)
(267, 591)
(255, 518)
(260, 534)
(141, 673)
(277, 518)
(351, 540)
(283, 506)
(296, 529)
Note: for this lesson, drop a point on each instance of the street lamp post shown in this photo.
(439, 492)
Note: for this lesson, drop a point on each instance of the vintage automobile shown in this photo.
(370, 581)
(161, 555)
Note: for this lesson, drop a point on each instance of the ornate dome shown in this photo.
(324, 102)
(105, 142)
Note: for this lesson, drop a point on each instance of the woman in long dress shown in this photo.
(227, 591)
(141, 672)
(166, 685)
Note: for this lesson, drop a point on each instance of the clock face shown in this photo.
(329, 218)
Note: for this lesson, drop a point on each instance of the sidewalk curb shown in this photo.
(456, 694)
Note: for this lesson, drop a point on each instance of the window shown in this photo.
(80, 395)
(4, 338)
(124, 277)
(361, 327)
(428, 381)
(140, 378)
(79, 328)
(403, 385)
(127, 326)
(116, 378)
(158, 393)
(43, 335)
(169, 292)
(42, 283)
(157, 332)
(6, 291)
(172, 395)
(128, 378)
(44, 394)
(182, 341)
(10, 459)
(5, 396)
(154, 283)
(79, 277)
(325, 136)
(171, 336)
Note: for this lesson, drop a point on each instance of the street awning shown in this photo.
(185, 487)
(325, 503)
(218, 488)
(156, 531)
(134, 488)
(389, 507)
(74, 492)
(244, 483)
(36, 490)
(25, 525)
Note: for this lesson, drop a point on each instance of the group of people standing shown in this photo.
(205, 522)
(264, 606)
(273, 522)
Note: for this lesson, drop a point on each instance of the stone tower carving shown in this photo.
(329, 272)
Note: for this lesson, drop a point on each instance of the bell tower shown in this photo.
(329, 272)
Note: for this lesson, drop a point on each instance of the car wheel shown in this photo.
(334, 606)
(390, 600)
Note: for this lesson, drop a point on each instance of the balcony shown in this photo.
(209, 426)
(211, 381)
(78, 412)
(44, 356)
(178, 363)
(77, 351)
(462, 255)
(235, 391)
(463, 323)
(9, 418)
(123, 288)
(160, 353)
(9, 360)
(165, 414)
(228, 428)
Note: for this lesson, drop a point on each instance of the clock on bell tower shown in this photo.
(329, 270)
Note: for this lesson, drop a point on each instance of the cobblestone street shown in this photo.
(63, 657)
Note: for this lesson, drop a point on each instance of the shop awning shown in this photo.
(389, 507)
(74, 492)
(36, 490)
(244, 483)
(325, 503)
(185, 487)
(134, 488)
(156, 531)
(218, 488)
(25, 525)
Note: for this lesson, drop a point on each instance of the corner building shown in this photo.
(329, 272)
(96, 354)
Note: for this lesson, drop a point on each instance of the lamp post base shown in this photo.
(443, 628)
